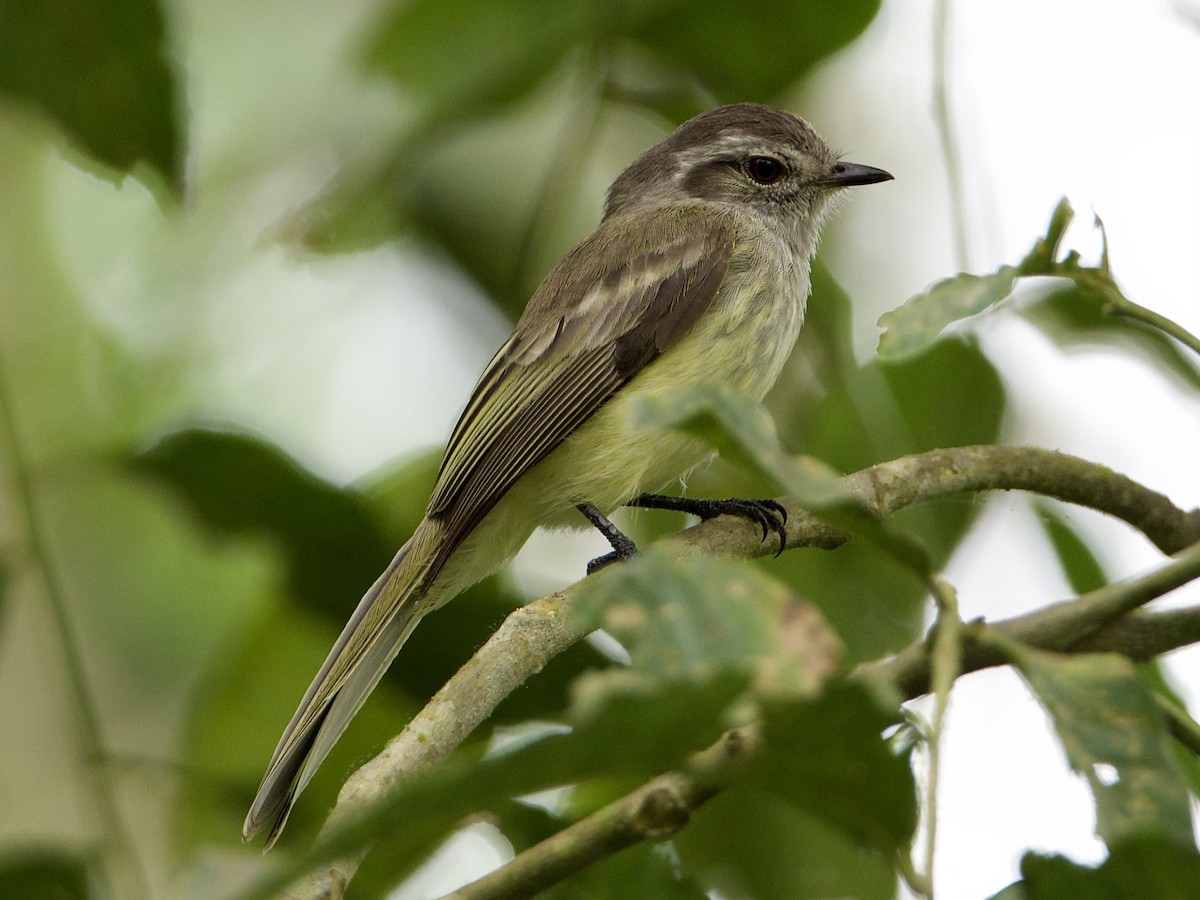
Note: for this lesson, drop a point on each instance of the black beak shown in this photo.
(845, 174)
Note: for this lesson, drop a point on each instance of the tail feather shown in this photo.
(381, 623)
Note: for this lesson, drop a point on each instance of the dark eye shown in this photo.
(764, 169)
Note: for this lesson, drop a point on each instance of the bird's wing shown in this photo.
(621, 298)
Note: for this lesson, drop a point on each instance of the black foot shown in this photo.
(622, 546)
(769, 515)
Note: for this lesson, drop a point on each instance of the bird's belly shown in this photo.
(608, 460)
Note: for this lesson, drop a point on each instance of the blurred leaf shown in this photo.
(829, 757)
(1044, 253)
(636, 735)
(99, 68)
(644, 730)
(476, 67)
(463, 56)
(883, 411)
(643, 870)
(748, 843)
(1079, 564)
(242, 712)
(948, 396)
(951, 396)
(694, 618)
(1114, 735)
(1014, 891)
(742, 432)
(1148, 868)
(1076, 316)
(1152, 675)
(741, 56)
(43, 875)
(873, 604)
(1093, 308)
(399, 493)
(241, 484)
(525, 824)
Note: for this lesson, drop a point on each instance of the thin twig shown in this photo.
(1093, 621)
(1183, 727)
(654, 812)
(945, 128)
(124, 876)
(1120, 305)
(947, 664)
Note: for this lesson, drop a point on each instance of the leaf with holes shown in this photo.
(1115, 736)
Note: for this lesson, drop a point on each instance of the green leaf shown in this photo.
(1042, 256)
(829, 757)
(1092, 308)
(743, 433)
(635, 736)
(43, 875)
(911, 328)
(951, 395)
(241, 713)
(99, 68)
(239, 484)
(468, 65)
(461, 56)
(1079, 317)
(1114, 735)
(882, 411)
(750, 57)
(1014, 891)
(644, 870)
(748, 843)
(678, 702)
(1079, 563)
(693, 619)
(1165, 692)
(1087, 307)
(1147, 868)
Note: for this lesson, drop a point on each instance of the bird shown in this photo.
(698, 271)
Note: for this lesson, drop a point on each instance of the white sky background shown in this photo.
(1097, 99)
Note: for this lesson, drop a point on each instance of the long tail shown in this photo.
(381, 624)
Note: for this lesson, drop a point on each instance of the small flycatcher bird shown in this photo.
(698, 271)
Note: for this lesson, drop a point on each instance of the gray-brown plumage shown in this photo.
(699, 270)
